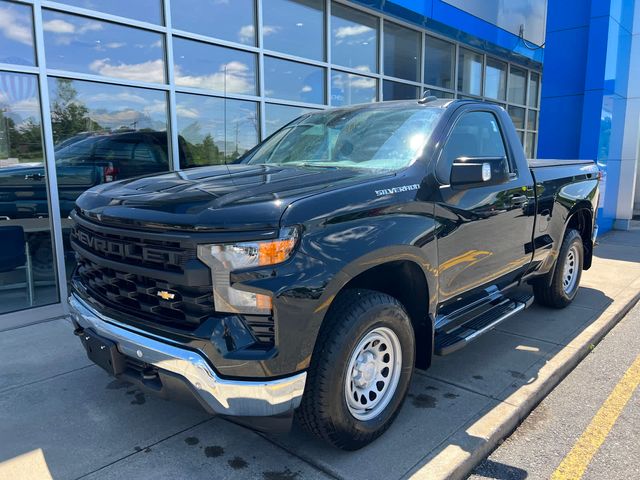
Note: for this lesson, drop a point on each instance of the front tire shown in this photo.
(360, 370)
(560, 290)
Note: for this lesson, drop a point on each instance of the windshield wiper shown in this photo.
(312, 164)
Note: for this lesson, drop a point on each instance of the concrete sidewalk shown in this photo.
(60, 414)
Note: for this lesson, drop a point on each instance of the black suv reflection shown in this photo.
(82, 161)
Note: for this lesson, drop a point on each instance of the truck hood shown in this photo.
(215, 198)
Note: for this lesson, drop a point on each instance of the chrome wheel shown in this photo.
(570, 270)
(373, 373)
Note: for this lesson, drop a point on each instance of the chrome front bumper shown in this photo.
(226, 397)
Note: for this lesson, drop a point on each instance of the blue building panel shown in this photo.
(586, 75)
(564, 64)
(560, 126)
(567, 15)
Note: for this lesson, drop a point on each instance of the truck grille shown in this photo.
(159, 279)
(183, 307)
(159, 254)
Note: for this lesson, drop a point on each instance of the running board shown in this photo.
(449, 342)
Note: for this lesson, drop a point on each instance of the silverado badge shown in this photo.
(163, 294)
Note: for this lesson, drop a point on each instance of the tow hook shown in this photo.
(78, 331)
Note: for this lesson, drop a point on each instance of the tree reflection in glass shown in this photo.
(214, 130)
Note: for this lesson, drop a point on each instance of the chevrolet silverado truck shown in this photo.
(314, 274)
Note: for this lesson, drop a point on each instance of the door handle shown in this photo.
(34, 176)
(519, 200)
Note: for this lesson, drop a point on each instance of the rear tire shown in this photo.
(558, 288)
(360, 370)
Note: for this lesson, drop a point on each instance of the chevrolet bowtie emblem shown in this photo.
(163, 294)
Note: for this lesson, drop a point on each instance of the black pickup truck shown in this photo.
(335, 257)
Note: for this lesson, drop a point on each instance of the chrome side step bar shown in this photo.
(449, 342)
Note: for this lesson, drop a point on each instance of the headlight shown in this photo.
(222, 259)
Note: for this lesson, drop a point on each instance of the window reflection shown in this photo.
(228, 20)
(517, 85)
(354, 38)
(440, 94)
(214, 130)
(101, 48)
(530, 146)
(104, 133)
(27, 273)
(294, 81)
(532, 120)
(294, 26)
(495, 79)
(144, 10)
(399, 91)
(534, 89)
(470, 72)
(517, 116)
(439, 62)
(202, 65)
(16, 34)
(401, 52)
(279, 115)
(347, 89)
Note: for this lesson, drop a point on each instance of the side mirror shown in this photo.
(477, 171)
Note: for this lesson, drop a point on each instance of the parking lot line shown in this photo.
(577, 460)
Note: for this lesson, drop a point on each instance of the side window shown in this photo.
(476, 134)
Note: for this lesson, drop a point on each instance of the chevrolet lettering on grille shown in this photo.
(125, 250)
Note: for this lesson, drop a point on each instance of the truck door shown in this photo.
(485, 228)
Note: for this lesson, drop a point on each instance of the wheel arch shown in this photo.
(581, 219)
(404, 278)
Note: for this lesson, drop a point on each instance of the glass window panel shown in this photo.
(399, 91)
(201, 65)
(294, 26)
(144, 10)
(439, 62)
(228, 20)
(530, 146)
(401, 52)
(214, 130)
(89, 120)
(532, 120)
(517, 116)
(495, 85)
(277, 116)
(16, 34)
(85, 45)
(103, 133)
(347, 89)
(27, 272)
(521, 137)
(517, 85)
(534, 89)
(294, 81)
(354, 38)
(470, 72)
(440, 93)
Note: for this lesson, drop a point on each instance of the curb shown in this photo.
(479, 437)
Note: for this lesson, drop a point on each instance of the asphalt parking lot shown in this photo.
(64, 417)
(587, 426)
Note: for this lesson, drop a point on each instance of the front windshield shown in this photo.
(386, 138)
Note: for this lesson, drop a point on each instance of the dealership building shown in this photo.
(93, 91)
